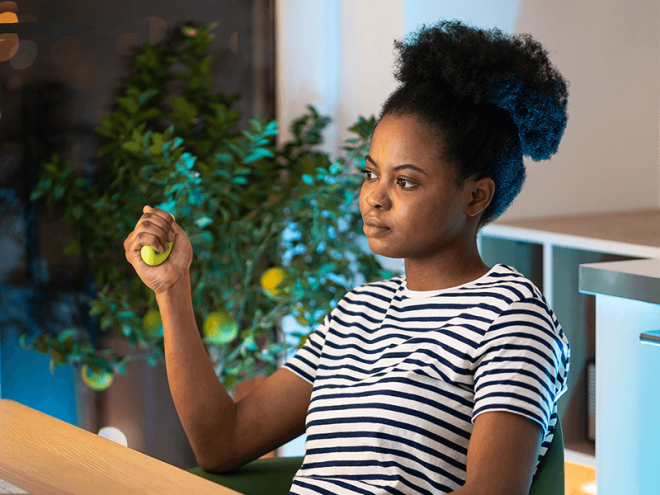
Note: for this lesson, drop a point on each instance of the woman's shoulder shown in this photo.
(508, 280)
(523, 297)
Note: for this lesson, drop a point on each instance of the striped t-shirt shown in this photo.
(399, 376)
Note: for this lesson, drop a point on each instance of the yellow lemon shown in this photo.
(271, 279)
(96, 381)
(152, 323)
(220, 327)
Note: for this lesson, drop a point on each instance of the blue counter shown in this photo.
(627, 374)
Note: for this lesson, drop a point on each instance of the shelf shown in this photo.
(583, 452)
(628, 233)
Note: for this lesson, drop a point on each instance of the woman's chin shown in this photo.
(381, 248)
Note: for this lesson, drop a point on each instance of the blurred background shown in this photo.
(59, 69)
(55, 88)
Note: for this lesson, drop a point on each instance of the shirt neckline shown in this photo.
(420, 294)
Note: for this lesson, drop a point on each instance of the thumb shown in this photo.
(175, 226)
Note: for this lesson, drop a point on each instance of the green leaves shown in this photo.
(72, 248)
(157, 147)
(132, 146)
(258, 154)
(307, 179)
(184, 111)
(234, 192)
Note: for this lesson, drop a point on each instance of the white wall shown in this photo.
(338, 54)
(307, 62)
(481, 13)
(368, 31)
(608, 158)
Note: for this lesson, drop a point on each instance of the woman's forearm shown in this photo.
(206, 410)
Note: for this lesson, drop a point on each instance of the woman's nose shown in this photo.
(378, 198)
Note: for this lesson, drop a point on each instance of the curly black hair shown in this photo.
(492, 97)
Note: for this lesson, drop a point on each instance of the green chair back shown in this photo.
(273, 475)
(269, 476)
(549, 479)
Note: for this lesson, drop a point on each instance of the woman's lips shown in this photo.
(373, 231)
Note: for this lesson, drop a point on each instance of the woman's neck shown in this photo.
(445, 270)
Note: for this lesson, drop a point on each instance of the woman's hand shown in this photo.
(156, 228)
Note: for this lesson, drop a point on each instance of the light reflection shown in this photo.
(8, 7)
(114, 434)
(25, 56)
(8, 18)
(589, 488)
(233, 42)
(8, 46)
(8, 41)
(157, 29)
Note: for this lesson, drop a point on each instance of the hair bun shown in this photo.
(512, 72)
(539, 117)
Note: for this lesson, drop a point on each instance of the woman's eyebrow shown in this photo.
(398, 167)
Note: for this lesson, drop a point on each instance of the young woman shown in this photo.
(446, 379)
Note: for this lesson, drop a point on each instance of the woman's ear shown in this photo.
(480, 194)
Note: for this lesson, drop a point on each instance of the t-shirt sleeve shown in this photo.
(305, 362)
(522, 363)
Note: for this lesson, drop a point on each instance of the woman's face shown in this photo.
(409, 195)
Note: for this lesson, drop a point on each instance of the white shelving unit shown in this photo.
(565, 242)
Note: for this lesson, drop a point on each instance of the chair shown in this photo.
(273, 476)
(549, 478)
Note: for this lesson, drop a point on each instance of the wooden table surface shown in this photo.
(44, 455)
(640, 227)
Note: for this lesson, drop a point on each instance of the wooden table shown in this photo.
(44, 455)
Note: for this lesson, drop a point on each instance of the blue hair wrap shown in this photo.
(540, 120)
(539, 117)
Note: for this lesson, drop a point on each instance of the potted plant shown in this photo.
(275, 229)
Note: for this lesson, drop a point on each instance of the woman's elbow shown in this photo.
(488, 490)
(216, 461)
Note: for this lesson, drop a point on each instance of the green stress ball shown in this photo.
(151, 257)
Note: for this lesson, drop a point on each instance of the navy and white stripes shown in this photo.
(399, 377)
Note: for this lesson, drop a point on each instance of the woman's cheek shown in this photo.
(362, 200)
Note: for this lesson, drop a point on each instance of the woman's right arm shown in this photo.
(224, 434)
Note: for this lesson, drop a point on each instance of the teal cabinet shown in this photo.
(24, 375)
(627, 371)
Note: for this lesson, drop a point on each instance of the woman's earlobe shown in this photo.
(482, 194)
(474, 214)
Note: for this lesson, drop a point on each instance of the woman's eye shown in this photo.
(411, 184)
(405, 183)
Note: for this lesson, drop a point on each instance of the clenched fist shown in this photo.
(156, 228)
